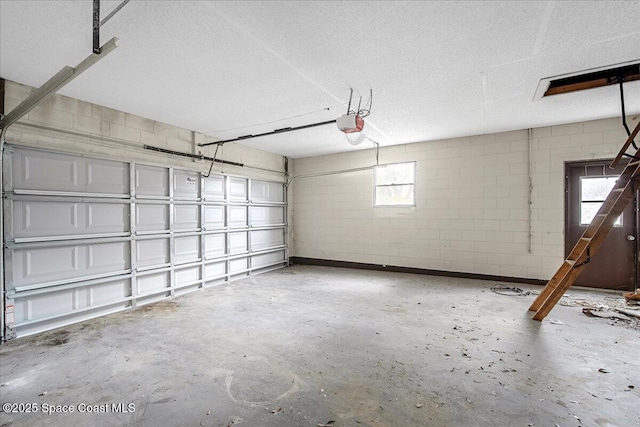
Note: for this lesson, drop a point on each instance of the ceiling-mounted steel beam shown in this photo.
(283, 130)
(56, 82)
(96, 26)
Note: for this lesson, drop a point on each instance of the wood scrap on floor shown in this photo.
(632, 296)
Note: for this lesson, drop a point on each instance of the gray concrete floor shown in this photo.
(306, 345)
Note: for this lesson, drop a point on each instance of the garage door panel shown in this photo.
(43, 219)
(106, 218)
(186, 217)
(187, 249)
(151, 283)
(39, 170)
(152, 253)
(213, 217)
(108, 257)
(238, 265)
(109, 292)
(44, 305)
(214, 188)
(237, 216)
(186, 184)
(264, 239)
(68, 301)
(33, 218)
(187, 275)
(53, 172)
(152, 217)
(215, 270)
(104, 176)
(72, 220)
(238, 243)
(266, 215)
(214, 245)
(49, 264)
(267, 192)
(238, 189)
(151, 181)
(264, 260)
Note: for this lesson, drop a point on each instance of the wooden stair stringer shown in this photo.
(588, 245)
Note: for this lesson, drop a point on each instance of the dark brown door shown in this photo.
(614, 265)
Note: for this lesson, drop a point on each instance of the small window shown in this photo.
(593, 192)
(394, 185)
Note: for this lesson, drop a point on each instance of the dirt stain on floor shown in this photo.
(163, 307)
(54, 338)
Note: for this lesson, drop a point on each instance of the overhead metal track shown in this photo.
(54, 84)
(192, 156)
(283, 130)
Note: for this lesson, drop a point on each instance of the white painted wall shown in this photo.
(472, 202)
(471, 213)
(70, 125)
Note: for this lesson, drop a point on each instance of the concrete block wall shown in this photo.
(472, 202)
(71, 125)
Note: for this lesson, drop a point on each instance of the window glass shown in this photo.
(395, 185)
(593, 192)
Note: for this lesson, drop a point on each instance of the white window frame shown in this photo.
(376, 185)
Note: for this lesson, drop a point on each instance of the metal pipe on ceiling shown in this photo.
(283, 130)
(211, 159)
(113, 12)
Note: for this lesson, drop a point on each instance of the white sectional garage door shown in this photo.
(86, 237)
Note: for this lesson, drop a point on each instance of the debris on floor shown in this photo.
(632, 297)
(327, 424)
(629, 312)
(234, 421)
(590, 313)
(556, 322)
(511, 291)
(616, 306)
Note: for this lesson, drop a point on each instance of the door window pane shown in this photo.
(593, 192)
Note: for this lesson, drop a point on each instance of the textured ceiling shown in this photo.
(437, 69)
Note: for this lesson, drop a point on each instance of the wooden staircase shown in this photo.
(594, 235)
